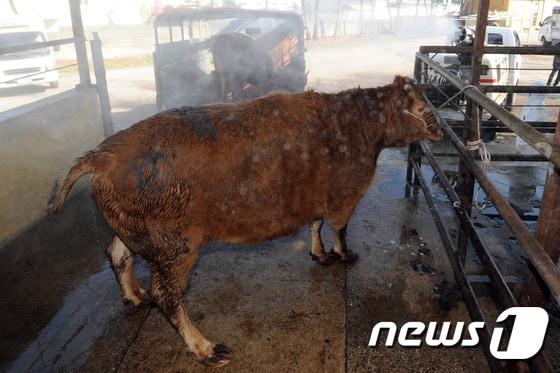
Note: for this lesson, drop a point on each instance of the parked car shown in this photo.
(497, 69)
(27, 67)
(216, 55)
(549, 33)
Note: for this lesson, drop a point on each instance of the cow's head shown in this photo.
(412, 120)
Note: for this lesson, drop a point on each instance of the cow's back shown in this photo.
(240, 173)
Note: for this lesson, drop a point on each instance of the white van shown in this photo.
(549, 32)
(16, 67)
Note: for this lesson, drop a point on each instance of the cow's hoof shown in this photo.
(327, 260)
(349, 258)
(142, 301)
(222, 356)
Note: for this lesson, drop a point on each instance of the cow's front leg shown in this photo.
(341, 249)
(169, 281)
(122, 261)
(318, 253)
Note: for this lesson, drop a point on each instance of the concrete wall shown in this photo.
(38, 144)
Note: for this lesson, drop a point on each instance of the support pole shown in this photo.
(472, 121)
(80, 42)
(534, 292)
(101, 85)
(414, 152)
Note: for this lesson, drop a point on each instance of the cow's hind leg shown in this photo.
(169, 281)
(318, 253)
(122, 261)
(341, 249)
(339, 216)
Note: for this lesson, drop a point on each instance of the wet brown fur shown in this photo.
(241, 173)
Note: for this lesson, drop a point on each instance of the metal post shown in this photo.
(471, 124)
(80, 42)
(413, 151)
(534, 292)
(101, 84)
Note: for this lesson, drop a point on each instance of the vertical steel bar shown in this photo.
(101, 84)
(80, 42)
(471, 124)
(412, 148)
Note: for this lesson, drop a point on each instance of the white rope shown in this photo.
(483, 152)
(477, 144)
(478, 205)
(456, 94)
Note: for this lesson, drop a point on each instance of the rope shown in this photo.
(455, 95)
(478, 205)
(483, 152)
(477, 144)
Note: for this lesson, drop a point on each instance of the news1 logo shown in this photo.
(526, 338)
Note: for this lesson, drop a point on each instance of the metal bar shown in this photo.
(39, 73)
(491, 50)
(531, 136)
(501, 88)
(412, 148)
(471, 128)
(101, 84)
(520, 89)
(498, 124)
(80, 42)
(502, 157)
(532, 248)
(30, 46)
(468, 293)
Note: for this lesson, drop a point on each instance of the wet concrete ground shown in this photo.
(276, 308)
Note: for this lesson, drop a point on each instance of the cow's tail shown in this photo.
(84, 165)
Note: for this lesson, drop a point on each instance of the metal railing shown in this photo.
(544, 266)
(79, 41)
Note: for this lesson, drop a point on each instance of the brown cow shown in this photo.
(240, 173)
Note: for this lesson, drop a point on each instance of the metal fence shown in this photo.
(542, 259)
(82, 61)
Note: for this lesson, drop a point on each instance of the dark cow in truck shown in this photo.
(240, 173)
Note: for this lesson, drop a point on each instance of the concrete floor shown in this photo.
(276, 308)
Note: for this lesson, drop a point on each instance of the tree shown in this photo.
(316, 21)
(13, 6)
(361, 17)
(338, 10)
(305, 19)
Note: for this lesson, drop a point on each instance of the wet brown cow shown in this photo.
(240, 173)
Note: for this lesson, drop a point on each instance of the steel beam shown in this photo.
(491, 50)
